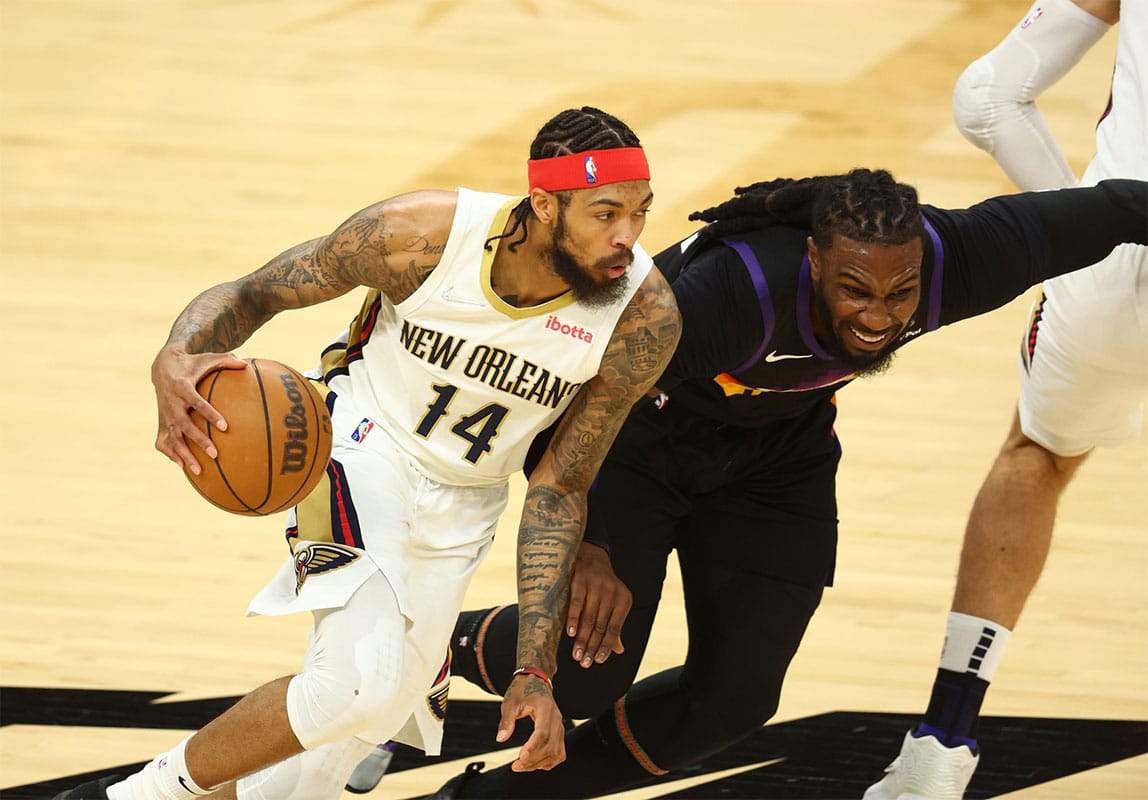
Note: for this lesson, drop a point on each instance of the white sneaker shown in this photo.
(926, 770)
(371, 769)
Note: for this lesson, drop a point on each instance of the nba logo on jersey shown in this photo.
(591, 170)
(362, 430)
(1031, 18)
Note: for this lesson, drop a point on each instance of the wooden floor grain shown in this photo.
(149, 150)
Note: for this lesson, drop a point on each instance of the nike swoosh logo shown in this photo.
(183, 783)
(775, 356)
(450, 297)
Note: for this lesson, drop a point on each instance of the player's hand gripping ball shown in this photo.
(277, 442)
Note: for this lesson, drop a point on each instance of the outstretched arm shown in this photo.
(554, 512)
(391, 245)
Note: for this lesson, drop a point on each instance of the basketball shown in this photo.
(276, 445)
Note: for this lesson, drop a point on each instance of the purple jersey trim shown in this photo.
(757, 275)
(937, 279)
(804, 323)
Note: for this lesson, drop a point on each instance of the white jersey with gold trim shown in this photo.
(461, 380)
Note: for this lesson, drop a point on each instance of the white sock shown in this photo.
(165, 776)
(973, 645)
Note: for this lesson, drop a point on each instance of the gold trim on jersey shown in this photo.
(335, 357)
(313, 514)
(497, 226)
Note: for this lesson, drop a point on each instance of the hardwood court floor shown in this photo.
(149, 150)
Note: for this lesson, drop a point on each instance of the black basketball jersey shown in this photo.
(748, 355)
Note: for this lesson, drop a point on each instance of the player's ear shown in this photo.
(545, 205)
(814, 259)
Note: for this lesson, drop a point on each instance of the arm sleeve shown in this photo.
(997, 249)
(994, 101)
(1084, 225)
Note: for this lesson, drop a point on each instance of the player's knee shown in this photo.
(586, 693)
(978, 104)
(744, 714)
(711, 728)
(342, 699)
(1039, 464)
(591, 694)
(733, 713)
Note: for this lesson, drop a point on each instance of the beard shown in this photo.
(868, 365)
(588, 291)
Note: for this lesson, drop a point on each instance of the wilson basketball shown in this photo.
(277, 442)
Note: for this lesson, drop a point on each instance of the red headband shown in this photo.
(588, 168)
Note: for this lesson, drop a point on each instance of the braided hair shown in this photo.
(571, 131)
(863, 205)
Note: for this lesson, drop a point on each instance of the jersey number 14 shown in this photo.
(479, 428)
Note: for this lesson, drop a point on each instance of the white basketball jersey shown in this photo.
(1122, 133)
(461, 380)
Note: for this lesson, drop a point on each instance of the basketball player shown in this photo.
(486, 317)
(1083, 368)
(794, 290)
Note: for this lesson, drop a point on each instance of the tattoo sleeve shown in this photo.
(357, 253)
(554, 512)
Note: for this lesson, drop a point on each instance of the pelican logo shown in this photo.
(591, 170)
(315, 559)
(437, 700)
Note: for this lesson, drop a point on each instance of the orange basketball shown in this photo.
(277, 442)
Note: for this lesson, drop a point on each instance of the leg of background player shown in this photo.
(1006, 543)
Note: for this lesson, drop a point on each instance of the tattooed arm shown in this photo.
(391, 246)
(554, 511)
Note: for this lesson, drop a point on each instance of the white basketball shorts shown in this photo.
(1084, 362)
(374, 511)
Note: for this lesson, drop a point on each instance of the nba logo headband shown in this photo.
(589, 168)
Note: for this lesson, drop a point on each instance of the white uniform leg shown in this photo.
(318, 774)
(1084, 367)
(994, 101)
(353, 676)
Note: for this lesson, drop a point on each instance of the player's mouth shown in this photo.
(618, 268)
(868, 341)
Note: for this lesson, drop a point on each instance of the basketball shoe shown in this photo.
(925, 770)
(92, 790)
(371, 769)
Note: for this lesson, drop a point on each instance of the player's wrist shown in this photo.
(602, 547)
(537, 672)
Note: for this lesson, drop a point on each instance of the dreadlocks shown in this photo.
(571, 131)
(864, 205)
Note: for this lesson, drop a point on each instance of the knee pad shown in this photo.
(355, 691)
(977, 104)
(998, 91)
